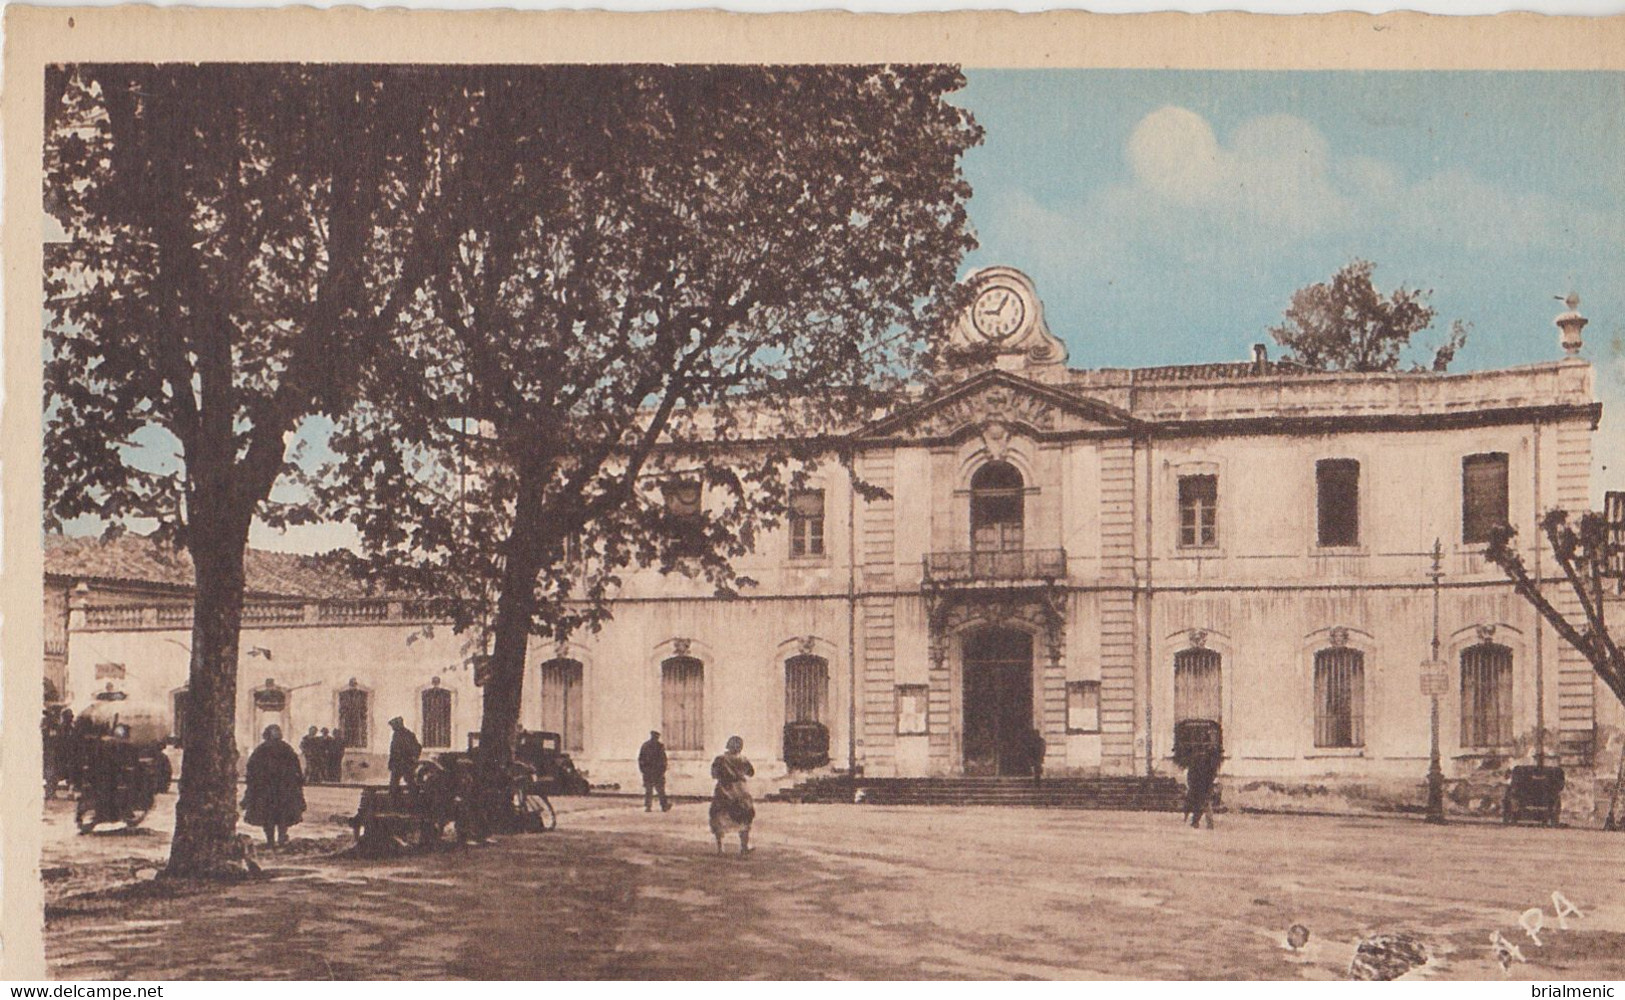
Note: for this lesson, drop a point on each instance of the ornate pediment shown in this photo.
(996, 404)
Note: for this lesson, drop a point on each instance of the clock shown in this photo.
(998, 312)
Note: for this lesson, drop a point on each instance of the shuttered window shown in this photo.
(562, 702)
(682, 690)
(1486, 696)
(807, 523)
(1339, 698)
(1337, 490)
(1198, 511)
(436, 717)
(354, 717)
(806, 689)
(1483, 496)
(1196, 685)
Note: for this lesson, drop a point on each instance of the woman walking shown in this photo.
(275, 797)
(731, 805)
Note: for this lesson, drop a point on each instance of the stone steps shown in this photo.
(1157, 794)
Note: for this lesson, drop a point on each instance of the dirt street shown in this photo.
(879, 892)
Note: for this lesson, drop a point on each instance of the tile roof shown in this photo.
(138, 559)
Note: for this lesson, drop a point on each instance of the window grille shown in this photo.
(437, 718)
(806, 689)
(1339, 698)
(1197, 685)
(1486, 696)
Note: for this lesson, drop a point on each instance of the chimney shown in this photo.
(1261, 358)
(1571, 323)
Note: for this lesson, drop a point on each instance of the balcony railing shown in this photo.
(1010, 566)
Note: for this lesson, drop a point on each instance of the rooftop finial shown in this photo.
(1571, 323)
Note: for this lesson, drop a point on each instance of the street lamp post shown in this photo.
(1433, 675)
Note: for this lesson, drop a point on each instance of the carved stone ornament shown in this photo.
(806, 644)
(996, 439)
(1197, 638)
(1338, 637)
(681, 646)
(997, 406)
(1486, 633)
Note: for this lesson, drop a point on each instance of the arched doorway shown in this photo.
(997, 687)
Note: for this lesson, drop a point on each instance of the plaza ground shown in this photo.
(847, 891)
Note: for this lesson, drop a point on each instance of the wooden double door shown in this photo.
(997, 690)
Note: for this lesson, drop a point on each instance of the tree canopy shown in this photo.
(662, 287)
(238, 240)
(1346, 324)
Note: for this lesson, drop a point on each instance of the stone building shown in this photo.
(1097, 554)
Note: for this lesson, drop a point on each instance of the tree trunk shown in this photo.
(505, 672)
(206, 811)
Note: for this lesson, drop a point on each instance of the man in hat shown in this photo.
(310, 747)
(652, 762)
(404, 750)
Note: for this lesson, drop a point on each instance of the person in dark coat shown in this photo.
(310, 748)
(1204, 770)
(404, 750)
(1036, 749)
(275, 797)
(333, 755)
(652, 763)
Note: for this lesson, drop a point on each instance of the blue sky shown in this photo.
(1167, 216)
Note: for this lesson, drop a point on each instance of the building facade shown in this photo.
(1095, 554)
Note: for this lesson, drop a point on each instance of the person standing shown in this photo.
(732, 808)
(1204, 770)
(51, 738)
(310, 748)
(404, 750)
(274, 798)
(652, 764)
(333, 754)
(1036, 749)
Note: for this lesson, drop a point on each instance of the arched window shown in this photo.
(1486, 695)
(682, 703)
(1196, 685)
(355, 719)
(561, 702)
(806, 689)
(1339, 698)
(996, 508)
(436, 717)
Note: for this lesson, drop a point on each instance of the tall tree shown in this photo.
(669, 284)
(236, 243)
(1346, 324)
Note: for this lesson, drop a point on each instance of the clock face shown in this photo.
(998, 312)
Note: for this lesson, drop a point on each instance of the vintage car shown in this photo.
(1533, 793)
(555, 772)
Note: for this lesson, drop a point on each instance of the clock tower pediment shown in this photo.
(1005, 322)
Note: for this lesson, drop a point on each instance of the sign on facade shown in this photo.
(1435, 680)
